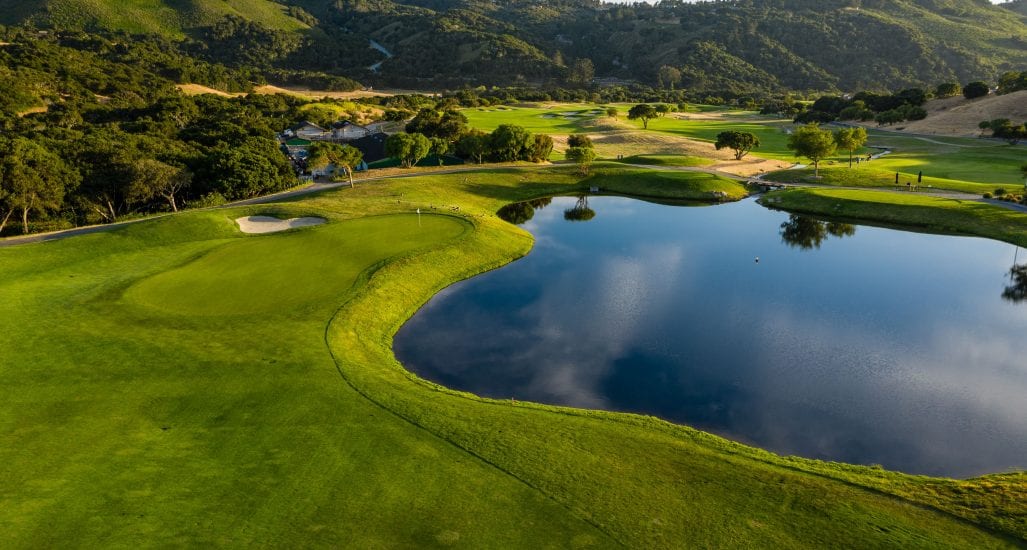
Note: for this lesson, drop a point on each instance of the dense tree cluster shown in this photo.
(718, 48)
(710, 47)
(444, 132)
(94, 163)
(1012, 81)
(94, 130)
(1004, 128)
(863, 106)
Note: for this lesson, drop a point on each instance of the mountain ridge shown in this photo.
(734, 46)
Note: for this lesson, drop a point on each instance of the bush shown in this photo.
(987, 195)
(579, 140)
(974, 90)
(1000, 191)
(209, 200)
(948, 89)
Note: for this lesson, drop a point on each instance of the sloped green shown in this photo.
(133, 413)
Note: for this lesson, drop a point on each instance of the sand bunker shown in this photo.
(267, 224)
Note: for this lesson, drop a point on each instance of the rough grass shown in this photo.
(175, 382)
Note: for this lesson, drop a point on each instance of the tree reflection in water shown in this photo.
(1016, 292)
(808, 233)
(581, 212)
(521, 212)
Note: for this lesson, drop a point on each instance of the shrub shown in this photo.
(974, 90)
(209, 200)
(987, 195)
(579, 140)
(1000, 191)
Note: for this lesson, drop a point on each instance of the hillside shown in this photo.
(740, 46)
(1017, 6)
(165, 17)
(956, 116)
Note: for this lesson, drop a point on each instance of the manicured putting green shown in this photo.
(291, 270)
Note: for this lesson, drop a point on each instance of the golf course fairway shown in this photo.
(176, 382)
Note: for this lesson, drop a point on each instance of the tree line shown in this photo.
(442, 130)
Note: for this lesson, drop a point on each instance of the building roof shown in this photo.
(306, 124)
(372, 146)
(346, 124)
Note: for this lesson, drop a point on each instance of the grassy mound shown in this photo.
(668, 160)
(943, 215)
(177, 382)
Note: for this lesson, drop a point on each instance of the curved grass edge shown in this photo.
(366, 361)
(906, 211)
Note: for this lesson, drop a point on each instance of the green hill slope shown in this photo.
(737, 46)
(165, 17)
(1017, 6)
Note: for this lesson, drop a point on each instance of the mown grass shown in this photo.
(956, 164)
(175, 382)
(773, 139)
(910, 210)
(873, 176)
(953, 159)
(959, 164)
(641, 182)
(667, 160)
(562, 119)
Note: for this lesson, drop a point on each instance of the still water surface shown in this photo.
(848, 343)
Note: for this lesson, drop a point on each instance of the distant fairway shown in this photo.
(178, 383)
(953, 163)
(957, 164)
(559, 119)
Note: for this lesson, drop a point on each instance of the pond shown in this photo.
(848, 343)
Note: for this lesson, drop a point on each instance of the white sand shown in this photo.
(267, 224)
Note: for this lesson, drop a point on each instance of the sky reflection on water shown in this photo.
(878, 347)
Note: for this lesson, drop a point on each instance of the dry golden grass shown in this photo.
(197, 89)
(32, 110)
(613, 137)
(750, 166)
(957, 116)
(320, 94)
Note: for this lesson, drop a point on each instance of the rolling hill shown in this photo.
(734, 46)
(956, 116)
(171, 18)
(1018, 6)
